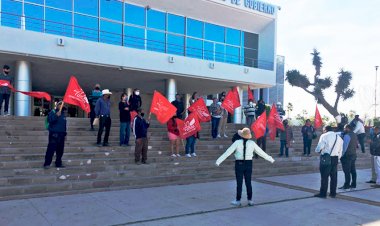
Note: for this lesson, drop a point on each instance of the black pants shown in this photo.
(326, 172)
(104, 121)
(214, 126)
(361, 138)
(92, 116)
(4, 97)
(262, 142)
(57, 145)
(349, 169)
(306, 146)
(243, 169)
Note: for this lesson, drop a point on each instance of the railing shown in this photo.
(69, 30)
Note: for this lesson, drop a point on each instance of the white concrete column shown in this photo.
(238, 113)
(129, 91)
(171, 89)
(23, 82)
(186, 101)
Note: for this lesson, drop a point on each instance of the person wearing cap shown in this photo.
(103, 112)
(95, 95)
(57, 134)
(5, 92)
(243, 150)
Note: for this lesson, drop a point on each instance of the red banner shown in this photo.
(274, 122)
(74, 95)
(260, 125)
(231, 101)
(35, 94)
(200, 108)
(318, 120)
(250, 94)
(189, 126)
(133, 115)
(162, 108)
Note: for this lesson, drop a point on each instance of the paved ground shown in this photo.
(284, 200)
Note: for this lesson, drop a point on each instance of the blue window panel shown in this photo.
(89, 7)
(208, 51)
(214, 32)
(34, 16)
(176, 44)
(134, 37)
(194, 28)
(156, 41)
(111, 10)
(176, 24)
(220, 52)
(61, 4)
(41, 2)
(11, 13)
(233, 36)
(156, 19)
(232, 55)
(194, 48)
(110, 32)
(58, 22)
(134, 15)
(86, 27)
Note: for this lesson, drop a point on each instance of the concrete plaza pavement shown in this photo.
(282, 200)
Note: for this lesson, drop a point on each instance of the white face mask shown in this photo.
(137, 93)
(250, 103)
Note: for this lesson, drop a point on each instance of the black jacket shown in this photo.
(134, 102)
(140, 127)
(125, 115)
(57, 124)
(375, 145)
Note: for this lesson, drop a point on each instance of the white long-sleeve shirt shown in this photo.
(238, 148)
(326, 142)
(359, 128)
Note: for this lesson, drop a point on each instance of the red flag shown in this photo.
(7, 84)
(260, 125)
(250, 94)
(133, 115)
(200, 109)
(231, 101)
(274, 122)
(74, 95)
(162, 108)
(35, 94)
(189, 126)
(318, 120)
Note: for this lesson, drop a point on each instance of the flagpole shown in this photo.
(60, 109)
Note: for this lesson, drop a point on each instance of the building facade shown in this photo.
(171, 46)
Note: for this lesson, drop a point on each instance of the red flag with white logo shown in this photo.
(162, 108)
(274, 122)
(35, 94)
(250, 94)
(74, 95)
(189, 126)
(318, 120)
(200, 109)
(231, 101)
(260, 125)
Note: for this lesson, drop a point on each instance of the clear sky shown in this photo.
(346, 32)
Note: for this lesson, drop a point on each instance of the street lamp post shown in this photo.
(376, 67)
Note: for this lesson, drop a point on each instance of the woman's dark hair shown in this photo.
(122, 95)
(193, 96)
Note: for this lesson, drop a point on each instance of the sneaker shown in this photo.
(174, 155)
(371, 182)
(145, 163)
(7, 114)
(320, 196)
(178, 155)
(188, 155)
(219, 136)
(343, 187)
(106, 145)
(46, 167)
(353, 186)
(236, 203)
(99, 144)
(250, 203)
(332, 196)
(225, 135)
(195, 155)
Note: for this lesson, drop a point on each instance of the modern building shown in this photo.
(171, 46)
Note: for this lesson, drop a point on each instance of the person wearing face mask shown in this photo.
(135, 100)
(5, 92)
(249, 111)
(140, 130)
(95, 95)
(223, 120)
(103, 112)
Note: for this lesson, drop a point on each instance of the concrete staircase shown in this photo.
(23, 142)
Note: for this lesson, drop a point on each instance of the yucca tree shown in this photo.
(318, 85)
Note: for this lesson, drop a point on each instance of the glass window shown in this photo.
(9, 7)
(134, 15)
(250, 57)
(36, 1)
(214, 32)
(176, 24)
(233, 36)
(251, 40)
(61, 4)
(58, 22)
(134, 37)
(156, 19)
(219, 52)
(34, 17)
(176, 44)
(156, 41)
(208, 51)
(194, 28)
(89, 7)
(232, 55)
(110, 32)
(111, 9)
(194, 48)
(85, 27)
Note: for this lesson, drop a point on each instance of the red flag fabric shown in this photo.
(162, 108)
(189, 126)
(231, 101)
(200, 109)
(250, 94)
(318, 120)
(274, 122)
(74, 95)
(35, 94)
(260, 125)
(133, 115)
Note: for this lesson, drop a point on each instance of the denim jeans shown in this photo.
(283, 145)
(190, 144)
(214, 126)
(349, 169)
(243, 169)
(4, 97)
(125, 132)
(306, 146)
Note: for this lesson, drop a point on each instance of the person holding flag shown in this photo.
(103, 112)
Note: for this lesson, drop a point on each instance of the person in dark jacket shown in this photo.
(260, 107)
(57, 134)
(348, 158)
(125, 120)
(286, 138)
(140, 129)
(307, 134)
(95, 95)
(5, 92)
(135, 101)
(375, 152)
(103, 112)
(178, 103)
